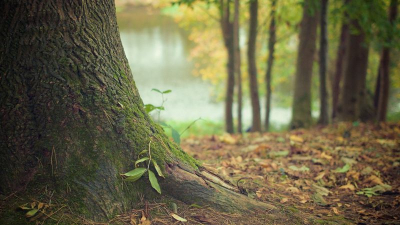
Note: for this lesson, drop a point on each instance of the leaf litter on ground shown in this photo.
(343, 171)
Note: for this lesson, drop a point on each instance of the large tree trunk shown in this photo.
(384, 81)
(323, 57)
(227, 33)
(252, 67)
(353, 93)
(340, 60)
(301, 109)
(238, 73)
(72, 119)
(270, 62)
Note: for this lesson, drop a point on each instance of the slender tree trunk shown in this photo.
(340, 60)
(271, 50)
(301, 110)
(72, 119)
(353, 93)
(384, 68)
(237, 63)
(252, 67)
(227, 33)
(323, 53)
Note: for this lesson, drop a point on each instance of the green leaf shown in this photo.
(154, 182)
(141, 160)
(160, 107)
(142, 152)
(344, 169)
(31, 213)
(158, 169)
(167, 91)
(276, 154)
(301, 169)
(164, 124)
(176, 136)
(24, 207)
(149, 108)
(156, 90)
(135, 174)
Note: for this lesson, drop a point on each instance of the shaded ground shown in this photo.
(341, 174)
(345, 172)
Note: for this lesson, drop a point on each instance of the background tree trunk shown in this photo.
(353, 93)
(270, 62)
(72, 119)
(238, 73)
(340, 57)
(252, 67)
(227, 33)
(384, 68)
(323, 53)
(301, 110)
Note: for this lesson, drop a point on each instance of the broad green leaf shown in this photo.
(149, 108)
(135, 174)
(176, 136)
(344, 169)
(154, 182)
(31, 213)
(158, 169)
(141, 160)
(167, 91)
(156, 90)
(160, 107)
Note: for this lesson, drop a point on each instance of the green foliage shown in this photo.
(137, 173)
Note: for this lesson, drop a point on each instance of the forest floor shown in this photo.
(347, 173)
(344, 172)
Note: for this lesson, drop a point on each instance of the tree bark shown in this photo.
(238, 73)
(252, 67)
(72, 119)
(301, 109)
(270, 62)
(227, 33)
(353, 93)
(323, 57)
(384, 69)
(340, 57)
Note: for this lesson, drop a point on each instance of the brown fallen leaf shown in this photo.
(319, 176)
(373, 180)
(283, 200)
(348, 186)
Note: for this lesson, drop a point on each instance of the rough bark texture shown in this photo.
(340, 57)
(227, 33)
(252, 67)
(384, 66)
(238, 73)
(270, 62)
(72, 119)
(323, 57)
(301, 110)
(353, 93)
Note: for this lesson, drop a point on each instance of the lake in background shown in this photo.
(158, 53)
